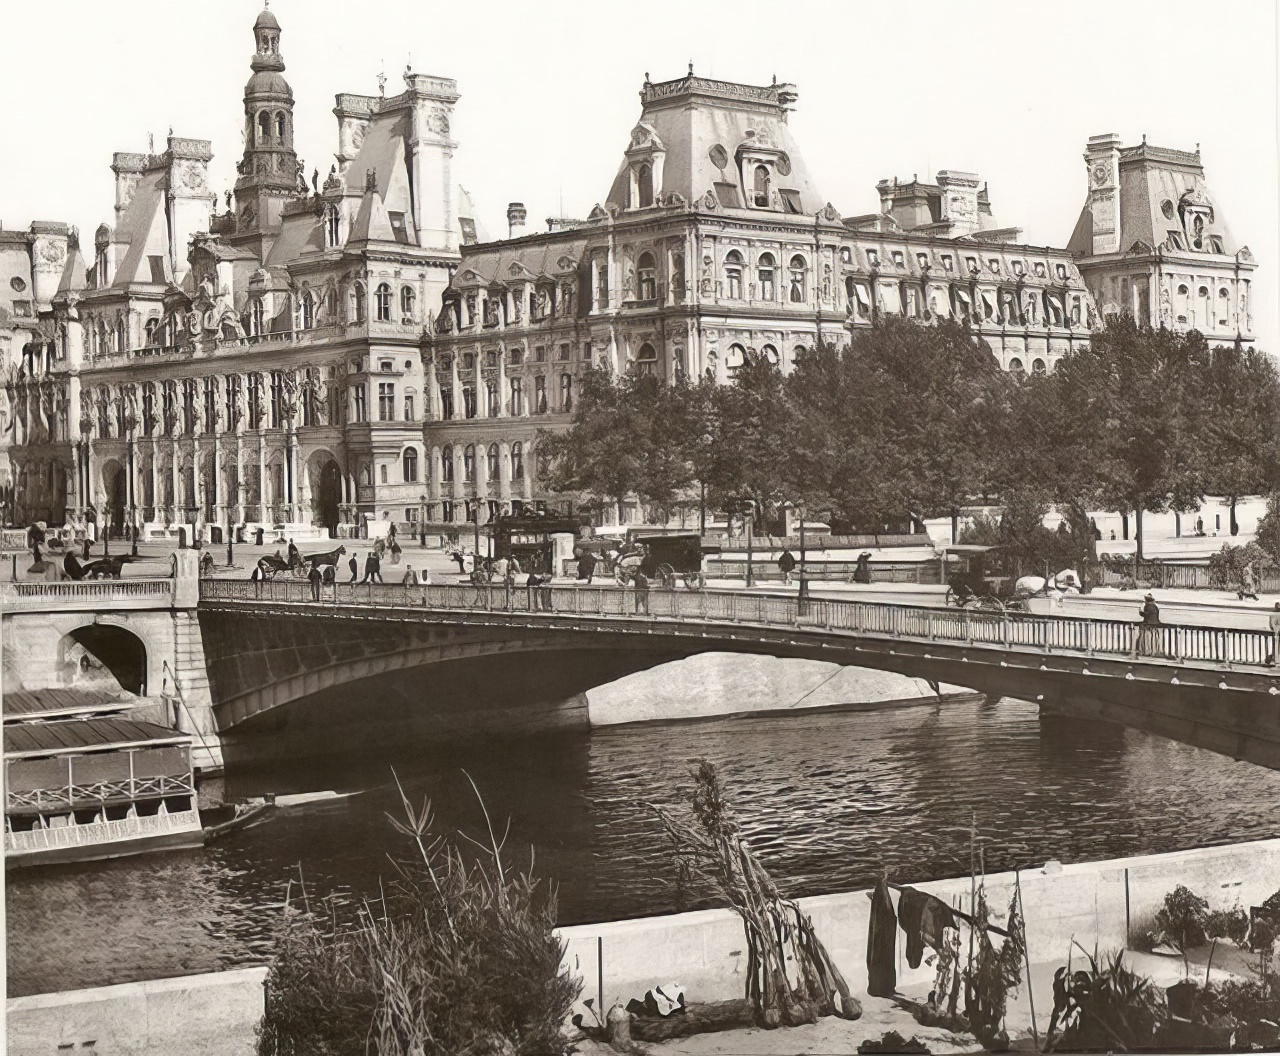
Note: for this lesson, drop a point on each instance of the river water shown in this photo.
(827, 799)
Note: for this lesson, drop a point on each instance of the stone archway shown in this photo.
(326, 491)
(95, 651)
(115, 481)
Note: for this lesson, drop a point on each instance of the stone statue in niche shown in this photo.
(1166, 304)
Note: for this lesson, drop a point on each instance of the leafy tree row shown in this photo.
(911, 421)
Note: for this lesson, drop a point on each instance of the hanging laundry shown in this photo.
(882, 974)
(934, 920)
(911, 907)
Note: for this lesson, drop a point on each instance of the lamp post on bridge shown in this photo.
(802, 597)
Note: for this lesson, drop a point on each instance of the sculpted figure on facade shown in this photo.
(1166, 304)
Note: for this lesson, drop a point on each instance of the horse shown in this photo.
(1067, 582)
(628, 564)
(329, 558)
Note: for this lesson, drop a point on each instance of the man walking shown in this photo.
(787, 565)
(587, 566)
(354, 565)
(642, 593)
(315, 576)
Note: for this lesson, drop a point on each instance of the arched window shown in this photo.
(280, 126)
(307, 316)
(1016, 368)
(491, 398)
(407, 300)
(799, 270)
(332, 223)
(677, 277)
(647, 360)
(492, 460)
(771, 355)
(733, 275)
(409, 465)
(410, 405)
(517, 461)
(257, 318)
(331, 304)
(468, 401)
(264, 128)
(644, 186)
(517, 396)
(566, 392)
(765, 276)
(446, 464)
(648, 273)
(1037, 366)
(734, 359)
(152, 325)
(357, 302)
(383, 298)
(540, 394)
(760, 192)
(122, 342)
(469, 464)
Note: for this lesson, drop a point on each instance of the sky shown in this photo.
(1009, 90)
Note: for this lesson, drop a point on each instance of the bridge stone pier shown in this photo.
(274, 653)
(143, 634)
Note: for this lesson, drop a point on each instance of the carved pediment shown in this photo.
(598, 213)
(567, 264)
(644, 139)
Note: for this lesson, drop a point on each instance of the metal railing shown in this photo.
(100, 832)
(98, 593)
(1009, 630)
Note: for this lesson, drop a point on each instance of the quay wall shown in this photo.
(718, 684)
(1094, 903)
(215, 1014)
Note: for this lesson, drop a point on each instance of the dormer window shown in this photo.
(947, 263)
(873, 258)
(994, 265)
(760, 187)
(972, 262)
(331, 226)
(1039, 270)
(898, 258)
(923, 260)
(1019, 268)
(1062, 271)
(644, 186)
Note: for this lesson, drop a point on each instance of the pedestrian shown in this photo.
(314, 577)
(295, 558)
(544, 588)
(1273, 621)
(862, 570)
(206, 564)
(587, 566)
(410, 577)
(354, 566)
(787, 565)
(459, 555)
(1248, 584)
(256, 577)
(531, 586)
(642, 592)
(370, 567)
(330, 576)
(480, 581)
(1149, 631)
(509, 580)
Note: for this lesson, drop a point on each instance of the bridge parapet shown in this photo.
(99, 595)
(1010, 631)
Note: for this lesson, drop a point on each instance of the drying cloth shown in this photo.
(882, 974)
(937, 917)
(911, 907)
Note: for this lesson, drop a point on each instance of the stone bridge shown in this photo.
(142, 633)
(272, 653)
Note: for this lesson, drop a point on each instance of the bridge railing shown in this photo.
(1014, 630)
(93, 594)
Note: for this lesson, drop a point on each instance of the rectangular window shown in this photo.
(586, 351)
(897, 258)
(564, 352)
(790, 200)
(446, 403)
(382, 473)
(277, 399)
(360, 413)
(540, 354)
(386, 402)
(947, 263)
(540, 394)
(873, 258)
(517, 396)
(602, 290)
(398, 228)
(469, 401)
(408, 407)
(728, 195)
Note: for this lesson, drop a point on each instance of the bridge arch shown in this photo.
(104, 646)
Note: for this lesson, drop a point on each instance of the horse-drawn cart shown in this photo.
(670, 558)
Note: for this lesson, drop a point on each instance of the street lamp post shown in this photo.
(422, 522)
(750, 517)
(803, 595)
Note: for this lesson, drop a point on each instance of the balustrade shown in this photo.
(1012, 630)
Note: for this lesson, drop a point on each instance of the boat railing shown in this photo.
(96, 832)
(836, 616)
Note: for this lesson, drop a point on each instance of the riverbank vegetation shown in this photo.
(456, 957)
(907, 422)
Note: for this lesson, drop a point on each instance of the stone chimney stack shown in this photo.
(128, 169)
(959, 200)
(516, 214)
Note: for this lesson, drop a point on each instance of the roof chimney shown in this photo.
(516, 214)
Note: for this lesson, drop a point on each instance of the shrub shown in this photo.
(1230, 924)
(1226, 567)
(456, 957)
(1106, 1007)
(1183, 917)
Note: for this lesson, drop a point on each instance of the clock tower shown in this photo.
(268, 172)
(1102, 158)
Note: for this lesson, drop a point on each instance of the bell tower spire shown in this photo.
(268, 172)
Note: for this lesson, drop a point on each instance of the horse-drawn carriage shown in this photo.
(670, 558)
(984, 578)
(296, 564)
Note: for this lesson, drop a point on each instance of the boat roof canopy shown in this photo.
(74, 736)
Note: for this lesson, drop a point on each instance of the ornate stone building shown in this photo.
(257, 365)
(712, 241)
(1151, 243)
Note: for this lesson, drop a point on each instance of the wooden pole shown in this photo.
(1026, 957)
(973, 908)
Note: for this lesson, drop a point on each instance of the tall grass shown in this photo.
(457, 955)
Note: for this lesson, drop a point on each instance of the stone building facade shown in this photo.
(713, 241)
(1151, 243)
(343, 352)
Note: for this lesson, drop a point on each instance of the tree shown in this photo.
(1116, 426)
(1241, 413)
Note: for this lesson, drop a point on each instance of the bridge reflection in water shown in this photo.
(1207, 686)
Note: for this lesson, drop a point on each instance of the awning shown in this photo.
(85, 735)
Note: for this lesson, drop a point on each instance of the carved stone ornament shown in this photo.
(829, 213)
(438, 122)
(193, 177)
(51, 252)
(709, 200)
